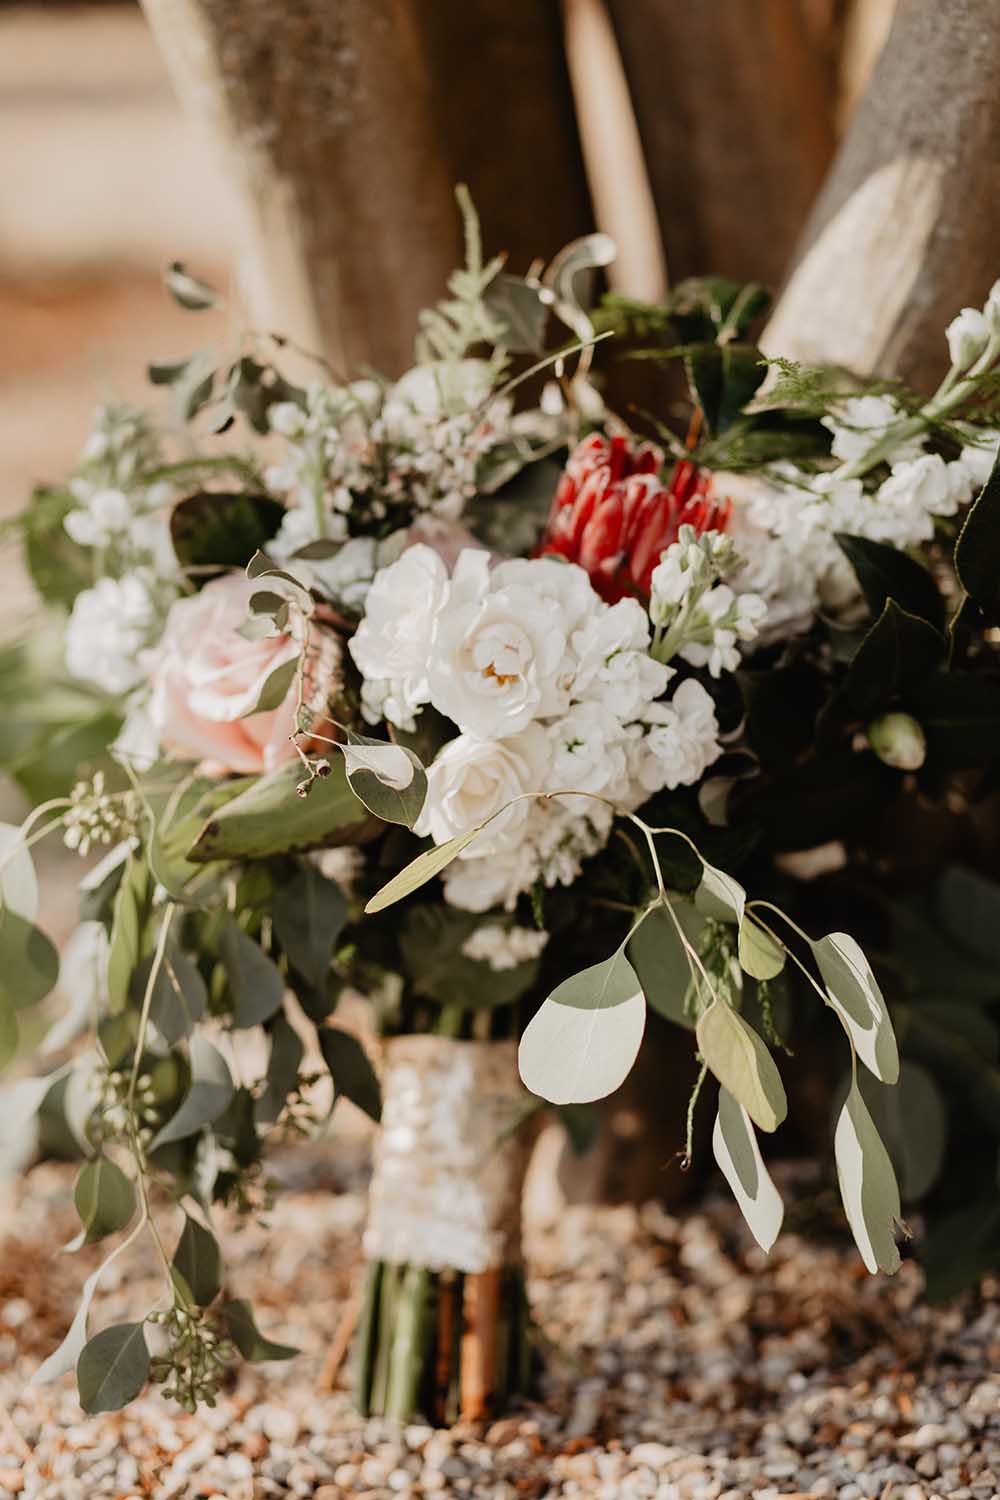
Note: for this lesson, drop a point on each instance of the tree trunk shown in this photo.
(735, 110)
(346, 123)
(907, 228)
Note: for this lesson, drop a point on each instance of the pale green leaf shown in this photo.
(738, 1155)
(742, 1064)
(867, 1185)
(420, 870)
(581, 1044)
(761, 955)
(857, 999)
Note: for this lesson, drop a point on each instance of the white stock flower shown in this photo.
(504, 948)
(109, 627)
(472, 780)
(393, 643)
(967, 335)
(683, 740)
(497, 653)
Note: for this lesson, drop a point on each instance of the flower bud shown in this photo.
(968, 335)
(898, 741)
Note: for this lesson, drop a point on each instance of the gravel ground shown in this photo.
(683, 1365)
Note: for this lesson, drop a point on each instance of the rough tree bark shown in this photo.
(346, 123)
(735, 109)
(907, 229)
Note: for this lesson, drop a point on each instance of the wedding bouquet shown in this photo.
(472, 705)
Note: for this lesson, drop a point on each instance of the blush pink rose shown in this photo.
(207, 676)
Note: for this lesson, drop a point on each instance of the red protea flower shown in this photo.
(614, 516)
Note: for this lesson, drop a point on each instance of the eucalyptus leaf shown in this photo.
(867, 1185)
(581, 1044)
(104, 1197)
(29, 963)
(738, 1155)
(238, 1318)
(761, 956)
(199, 1260)
(18, 882)
(353, 1076)
(856, 997)
(742, 1064)
(209, 1094)
(179, 995)
(420, 870)
(113, 1368)
(256, 983)
(309, 914)
(282, 1071)
(661, 961)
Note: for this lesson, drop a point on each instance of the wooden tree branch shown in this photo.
(346, 123)
(907, 229)
(734, 105)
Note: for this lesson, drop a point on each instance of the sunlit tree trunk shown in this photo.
(345, 124)
(907, 229)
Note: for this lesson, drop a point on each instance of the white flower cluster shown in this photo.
(551, 689)
(697, 617)
(504, 948)
(125, 519)
(784, 525)
(421, 445)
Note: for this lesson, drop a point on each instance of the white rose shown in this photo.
(496, 660)
(393, 642)
(967, 336)
(472, 780)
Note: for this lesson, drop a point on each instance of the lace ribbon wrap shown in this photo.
(449, 1161)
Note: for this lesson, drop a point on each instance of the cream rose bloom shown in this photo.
(207, 676)
(471, 780)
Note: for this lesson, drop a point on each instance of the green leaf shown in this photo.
(105, 1199)
(761, 955)
(723, 379)
(738, 1156)
(209, 1094)
(899, 651)
(270, 818)
(130, 910)
(199, 1260)
(351, 1070)
(29, 963)
(719, 895)
(858, 1001)
(977, 551)
(886, 573)
(255, 981)
(431, 941)
(309, 915)
(374, 773)
(742, 1064)
(282, 1071)
(661, 961)
(113, 1368)
(238, 1318)
(867, 1185)
(179, 995)
(187, 290)
(913, 1122)
(216, 529)
(420, 870)
(581, 1044)
(18, 881)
